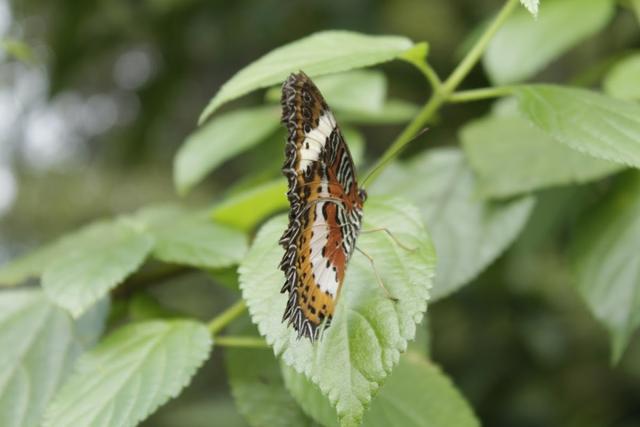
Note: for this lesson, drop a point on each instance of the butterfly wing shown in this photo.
(325, 207)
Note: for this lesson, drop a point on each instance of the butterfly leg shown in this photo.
(390, 234)
(378, 278)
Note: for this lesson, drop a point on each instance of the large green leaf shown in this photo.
(586, 121)
(356, 90)
(95, 262)
(320, 53)
(33, 263)
(416, 394)
(510, 157)
(130, 374)
(468, 233)
(524, 45)
(190, 238)
(222, 138)
(259, 392)
(607, 261)
(623, 81)
(369, 330)
(40, 343)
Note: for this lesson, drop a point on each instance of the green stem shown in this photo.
(430, 74)
(223, 319)
(439, 97)
(238, 341)
(480, 94)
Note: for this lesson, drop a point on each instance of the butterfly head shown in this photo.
(362, 195)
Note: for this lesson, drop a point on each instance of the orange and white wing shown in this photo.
(323, 221)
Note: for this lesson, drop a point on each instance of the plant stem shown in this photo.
(430, 74)
(238, 341)
(223, 319)
(479, 94)
(439, 97)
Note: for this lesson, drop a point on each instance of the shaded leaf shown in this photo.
(368, 330)
(623, 81)
(607, 261)
(258, 389)
(95, 262)
(417, 393)
(524, 46)
(468, 233)
(40, 343)
(586, 121)
(394, 111)
(320, 53)
(130, 374)
(219, 140)
(510, 157)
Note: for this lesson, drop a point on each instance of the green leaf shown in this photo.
(246, 209)
(130, 374)
(586, 121)
(40, 343)
(219, 140)
(607, 261)
(524, 46)
(190, 238)
(33, 264)
(368, 330)
(356, 90)
(417, 393)
(258, 389)
(96, 261)
(469, 233)
(511, 157)
(320, 53)
(623, 81)
(19, 50)
(532, 6)
(394, 111)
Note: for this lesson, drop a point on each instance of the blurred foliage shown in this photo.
(119, 86)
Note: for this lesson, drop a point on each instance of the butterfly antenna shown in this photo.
(394, 154)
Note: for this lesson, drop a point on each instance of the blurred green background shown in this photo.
(91, 118)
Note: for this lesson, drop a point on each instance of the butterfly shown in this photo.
(325, 214)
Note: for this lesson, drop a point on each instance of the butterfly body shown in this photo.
(326, 204)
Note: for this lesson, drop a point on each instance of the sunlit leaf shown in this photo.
(356, 90)
(511, 157)
(129, 374)
(607, 261)
(468, 233)
(623, 81)
(96, 261)
(416, 394)
(320, 53)
(524, 46)
(220, 139)
(40, 343)
(369, 330)
(586, 121)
